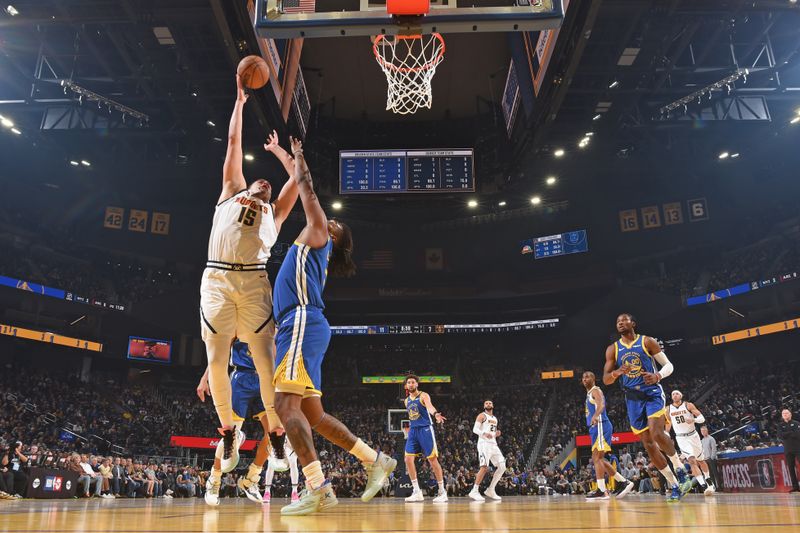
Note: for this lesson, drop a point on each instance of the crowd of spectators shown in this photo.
(118, 426)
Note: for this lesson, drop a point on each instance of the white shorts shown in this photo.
(691, 446)
(489, 452)
(236, 304)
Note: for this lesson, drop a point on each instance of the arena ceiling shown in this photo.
(619, 60)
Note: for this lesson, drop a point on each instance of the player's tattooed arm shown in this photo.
(315, 234)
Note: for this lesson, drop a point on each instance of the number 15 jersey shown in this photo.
(243, 232)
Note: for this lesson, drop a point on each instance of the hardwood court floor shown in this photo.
(723, 512)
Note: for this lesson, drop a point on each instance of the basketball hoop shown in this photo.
(409, 63)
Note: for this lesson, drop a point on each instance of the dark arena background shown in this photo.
(574, 161)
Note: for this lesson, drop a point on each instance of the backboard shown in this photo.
(286, 19)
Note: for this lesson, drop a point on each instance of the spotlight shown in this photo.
(11, 10)
(613, 84)
(249, 157)
(336, 206)
(85, 163)
(596, 117)
(472, 203)
(16, 131)
(6, 122)
(551, 180)
(559, 152)
(723, 155)
(502, 203)
(194, 94)
(74, 163)
(795, 120)
(588, 134)
(734, 156)
(210, 123)
(536, 200)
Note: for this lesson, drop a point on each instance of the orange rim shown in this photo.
(427, 66)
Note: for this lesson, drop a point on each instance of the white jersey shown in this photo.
(243, 232)
(489, 425)
(678, 416)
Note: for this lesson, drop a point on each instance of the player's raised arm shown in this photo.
(315, 234)
(284, 204)
(232, 177)
(658, 354)
(426, 401)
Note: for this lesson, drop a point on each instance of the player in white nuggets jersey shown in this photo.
(235, 293)
(683, 417)
(488, 452)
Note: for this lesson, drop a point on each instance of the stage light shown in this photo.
(210, 123)
(472, 203)
(16, 131)
(614, 83)
(249, 157)
(559, 152)
(536, 200)
(336, 206)
(11, 10)
(588, 134)
(74, 163)
(597, 117)
(723, 155)
(551, 180)
(734, 156)
(502, 203)
(85, 163)
(795, 120)
(6, 122)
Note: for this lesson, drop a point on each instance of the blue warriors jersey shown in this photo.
(640, 362)
(418, 414)
(301, 279)
(241, 357)
(591, 409)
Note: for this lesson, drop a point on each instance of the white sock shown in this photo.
(676, 463)
(415, 484)
(601, 485)
(498, 473)
(619, 477)
(474, 488)
(441, 487)
(267, 489)
(294, 488)
(669, 475)
(701, 480)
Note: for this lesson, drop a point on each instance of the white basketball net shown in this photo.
(409, 63)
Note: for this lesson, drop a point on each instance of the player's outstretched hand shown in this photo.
(241, 95)
(296, 144)
(440, 418)
(203, 389)
(650, 378)
(272, 142)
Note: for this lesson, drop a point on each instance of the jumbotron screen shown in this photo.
(149, 350)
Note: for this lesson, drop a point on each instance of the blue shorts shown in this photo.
(246, 391)
(644, 404)
(600, 434)
(300, 345)
(421, 441)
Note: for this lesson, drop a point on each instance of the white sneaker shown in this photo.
(475, 495)
(416, 496)
(212, 491)
(250, 489)
(230, 463)
(492, 495)
(709, 490)
(441, 498)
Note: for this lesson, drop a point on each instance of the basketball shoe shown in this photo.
(378, 472)
(476, 495)
(231, 441)
(622, 490)
(416, 496)
(312, 501)
(250, 489)
(598, 494)
(212, 490)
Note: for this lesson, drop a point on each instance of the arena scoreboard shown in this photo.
(401, 171)
(572, 242)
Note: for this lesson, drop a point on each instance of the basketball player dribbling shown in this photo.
(633, 358)
(488, 452)
(235, 294)
(600, 432)
(683, 417)
(301, 342)
(421, 439)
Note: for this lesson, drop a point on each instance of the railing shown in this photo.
(537, 447)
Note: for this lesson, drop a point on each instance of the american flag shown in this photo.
(299, 6)
(378, 260)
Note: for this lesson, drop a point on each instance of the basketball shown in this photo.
(254, 72)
